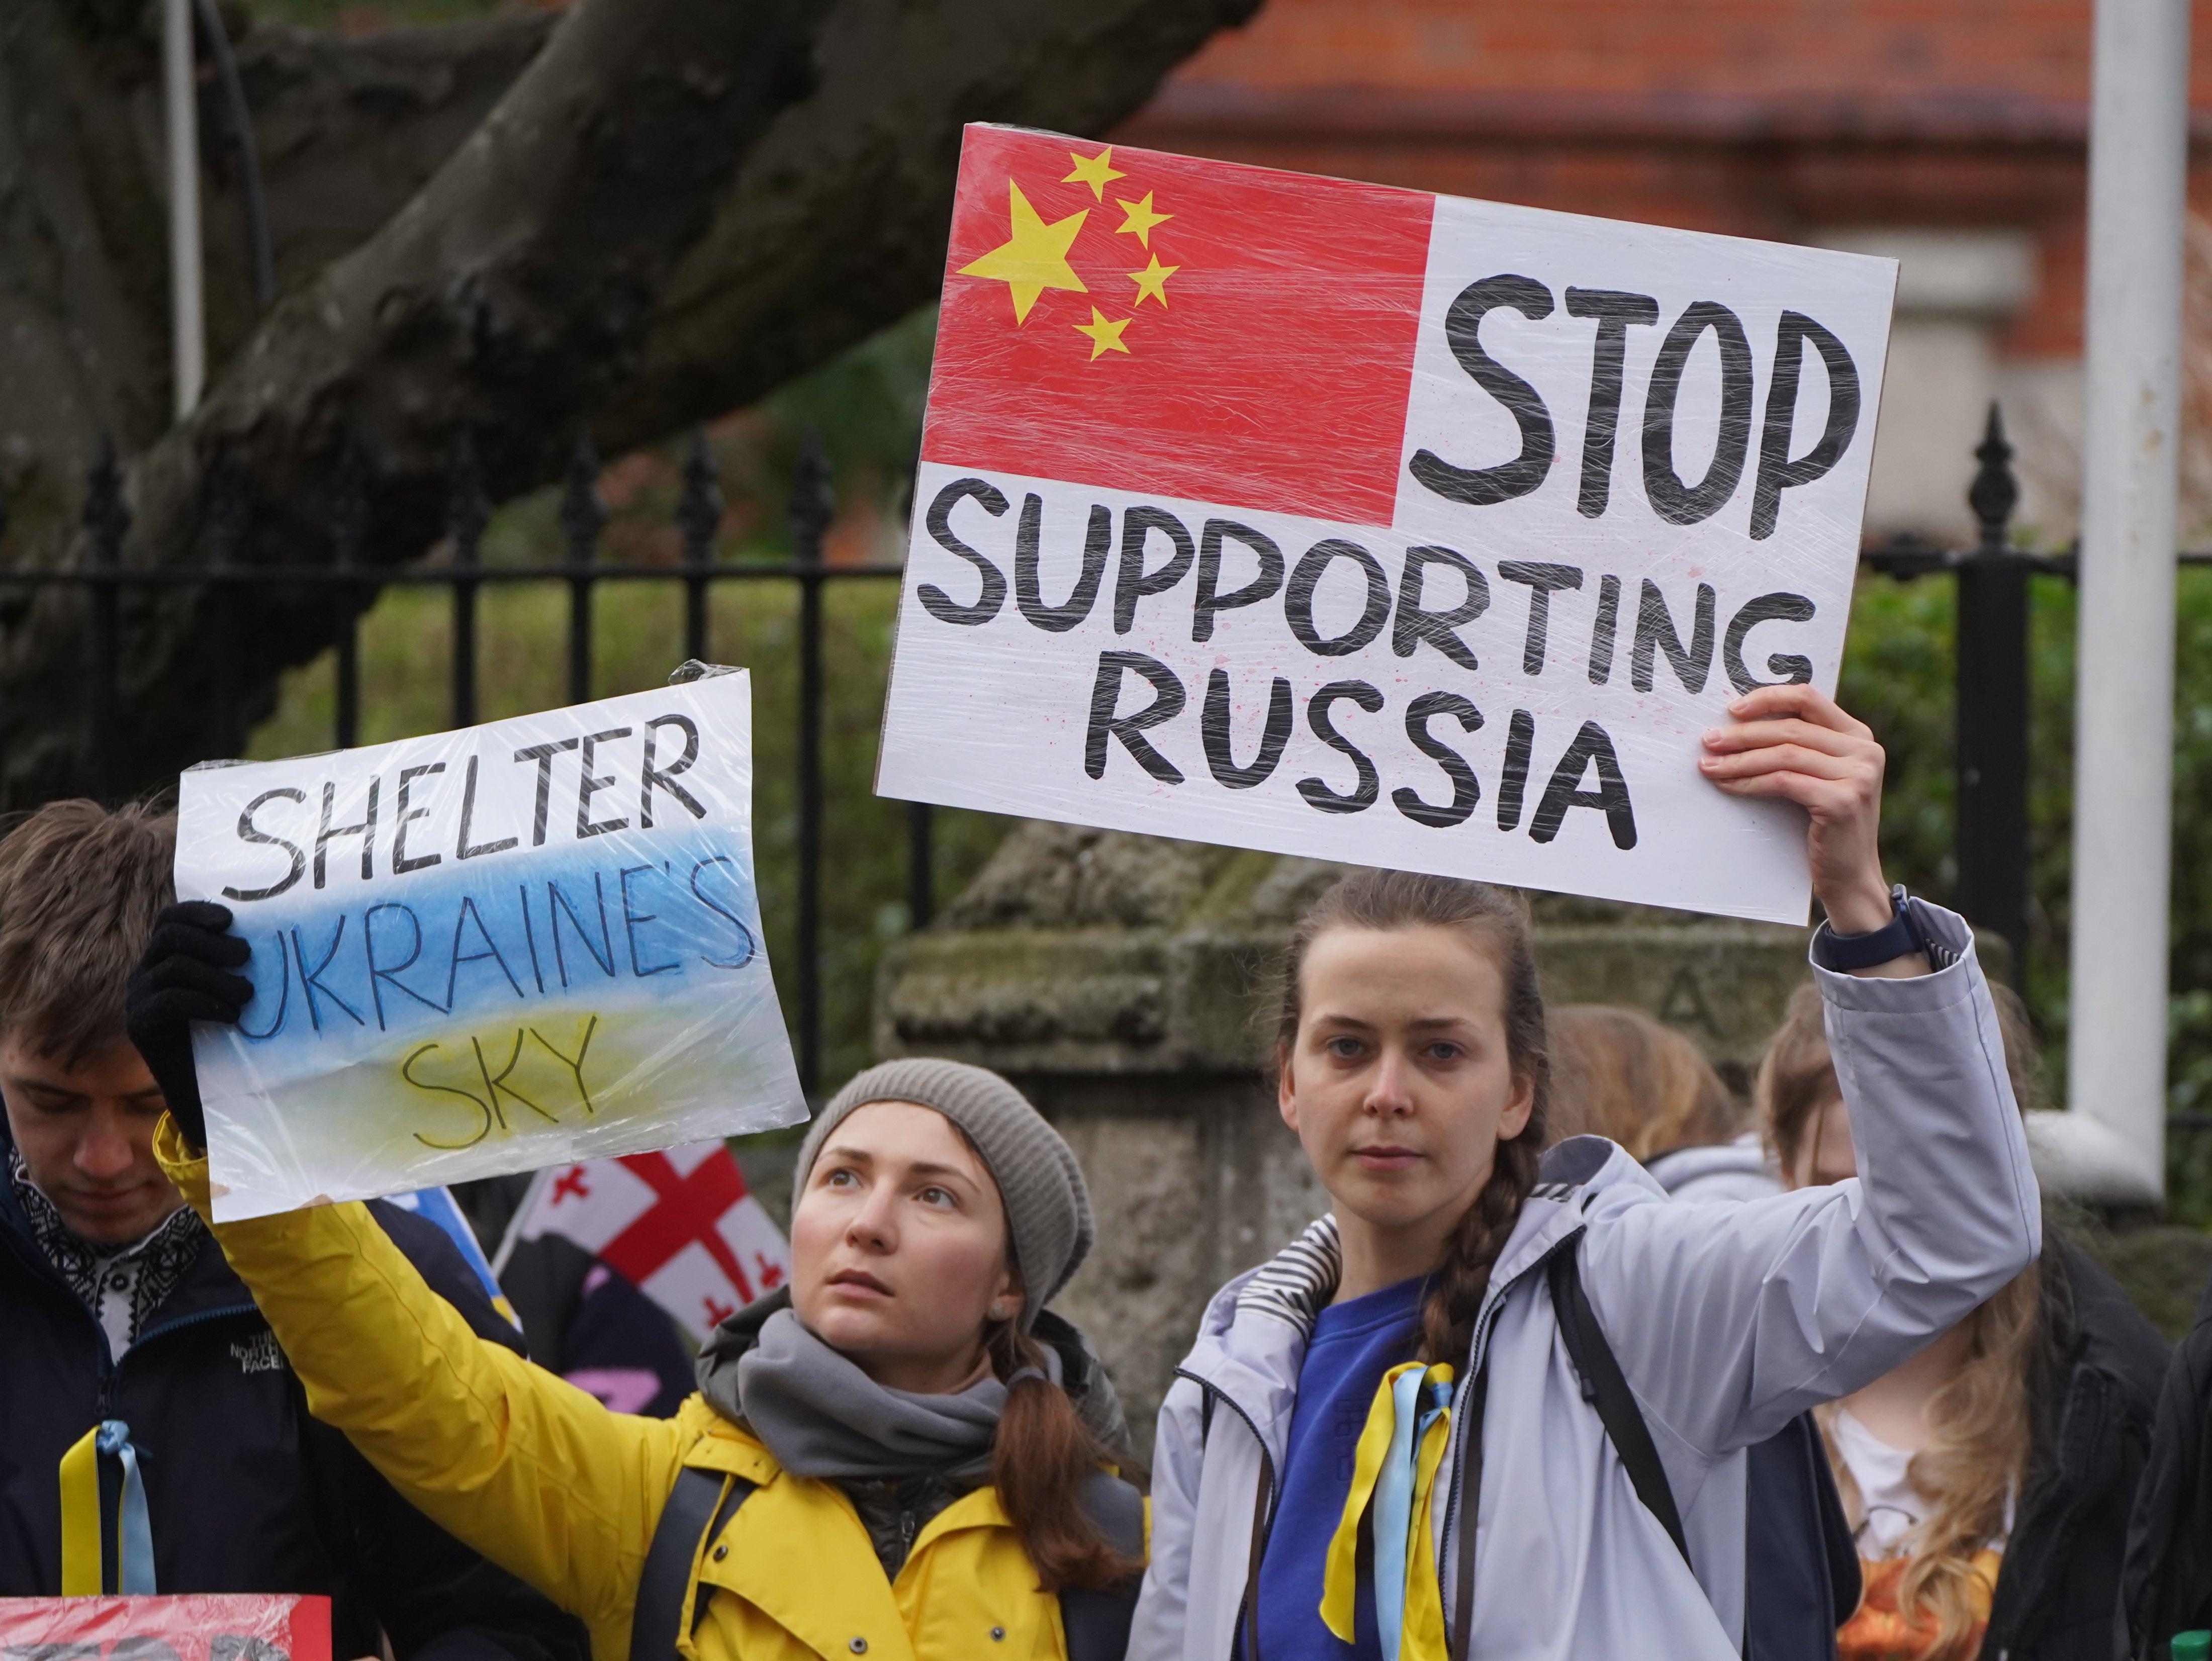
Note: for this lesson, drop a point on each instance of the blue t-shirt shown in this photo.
(1354, 1343)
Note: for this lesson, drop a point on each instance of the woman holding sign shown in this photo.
(1474, 1413)
(902, 1453)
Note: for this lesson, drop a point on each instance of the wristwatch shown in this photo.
(1897, 938)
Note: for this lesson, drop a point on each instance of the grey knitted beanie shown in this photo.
(1048, 1206)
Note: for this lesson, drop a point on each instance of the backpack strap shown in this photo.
(699, 1505)
(1605, 1386)
(1096, 1623)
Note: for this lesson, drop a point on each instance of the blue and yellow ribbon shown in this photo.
(1395, 1471)
(83, 1550)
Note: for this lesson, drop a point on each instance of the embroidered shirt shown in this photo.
(122, 1285)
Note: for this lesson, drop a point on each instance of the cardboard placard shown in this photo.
(210, 1627)
(1373, 525)
(521, 945)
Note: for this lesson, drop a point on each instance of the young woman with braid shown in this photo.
(1381, 1445)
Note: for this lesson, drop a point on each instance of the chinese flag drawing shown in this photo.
(1101, 307)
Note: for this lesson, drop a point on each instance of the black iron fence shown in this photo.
(348, 586)
(1991, 825)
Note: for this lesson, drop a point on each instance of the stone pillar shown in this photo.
(1129, 985)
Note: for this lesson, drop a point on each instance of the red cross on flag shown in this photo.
(680, 1226)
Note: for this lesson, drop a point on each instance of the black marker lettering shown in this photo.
(494, 1083)
(462, 850)
(1777, 473)
(1604, 629)
(1298, 598)
(587, 786)
(938, 520)
(400, 863)
(1466, 790)
(1795, 671)
(725, 913)
(1614, 312)
(247, 831)
(1132, 582)
(1368, 786)
(327, 833)
(1167, 703)
(1611, 797)
(602, 954)
(1030, 596)
(1210, 599)
(1542, 580)
(1414, 624)
(1655, 631)
(1213, 732)
(1485, 487)
(665, 776)
(542, 754)
(576, 1065)
(1520, 739)
(1671, 499)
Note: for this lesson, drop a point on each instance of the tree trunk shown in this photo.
(649, 214)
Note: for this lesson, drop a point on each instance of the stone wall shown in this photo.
(1127, 984)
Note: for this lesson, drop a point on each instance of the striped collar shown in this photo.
(1295, 1284)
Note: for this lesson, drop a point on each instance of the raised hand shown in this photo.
(1794, 742)
(185, 976)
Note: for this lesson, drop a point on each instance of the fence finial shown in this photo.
(582, 512)
(699, 511)
(349, 510)
(813, 506)
(107, 517)
(1995, 492)
(468, 509)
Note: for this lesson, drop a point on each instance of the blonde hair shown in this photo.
(1981, 1423)
(1617, 1073)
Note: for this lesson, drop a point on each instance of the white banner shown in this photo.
(527, 943)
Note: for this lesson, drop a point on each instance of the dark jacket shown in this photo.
(246, 1491)
(2167, 1586)
(2093, 1390)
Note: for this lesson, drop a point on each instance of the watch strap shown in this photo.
(1900, 937)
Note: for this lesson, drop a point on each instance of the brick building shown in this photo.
(1951, 135)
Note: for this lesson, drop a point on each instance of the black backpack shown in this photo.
(701, 1504)
(1801, 1567)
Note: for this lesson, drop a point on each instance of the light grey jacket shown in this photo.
(1728, 1319)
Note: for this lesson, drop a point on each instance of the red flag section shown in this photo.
(1102, 306)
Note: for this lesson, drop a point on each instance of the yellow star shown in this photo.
(1138, 217)
(1105, 334)
(1153, 281)
(1094, 171)
(1034, 257)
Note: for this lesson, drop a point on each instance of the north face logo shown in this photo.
(259, 1353)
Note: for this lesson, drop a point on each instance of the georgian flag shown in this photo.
(679, 1225)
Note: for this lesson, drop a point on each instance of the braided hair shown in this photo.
(1496, 921)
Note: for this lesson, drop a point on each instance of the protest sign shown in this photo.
(521, 944)
(198, 1627)
(1374, 526)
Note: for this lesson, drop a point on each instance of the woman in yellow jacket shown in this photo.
(892, 1465)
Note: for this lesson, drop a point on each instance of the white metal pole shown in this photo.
(187, 317)
(2124, 742)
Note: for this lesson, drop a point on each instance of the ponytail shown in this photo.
(1496, 921)
(1043, 1455)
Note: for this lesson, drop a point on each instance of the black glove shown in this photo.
(184, 977)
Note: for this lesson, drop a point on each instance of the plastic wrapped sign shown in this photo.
(526, 944)
(1374, 526)
(226, 1626)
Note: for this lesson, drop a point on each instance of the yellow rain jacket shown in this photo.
(546, 1482)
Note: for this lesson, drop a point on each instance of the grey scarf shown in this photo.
(820, 1415)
